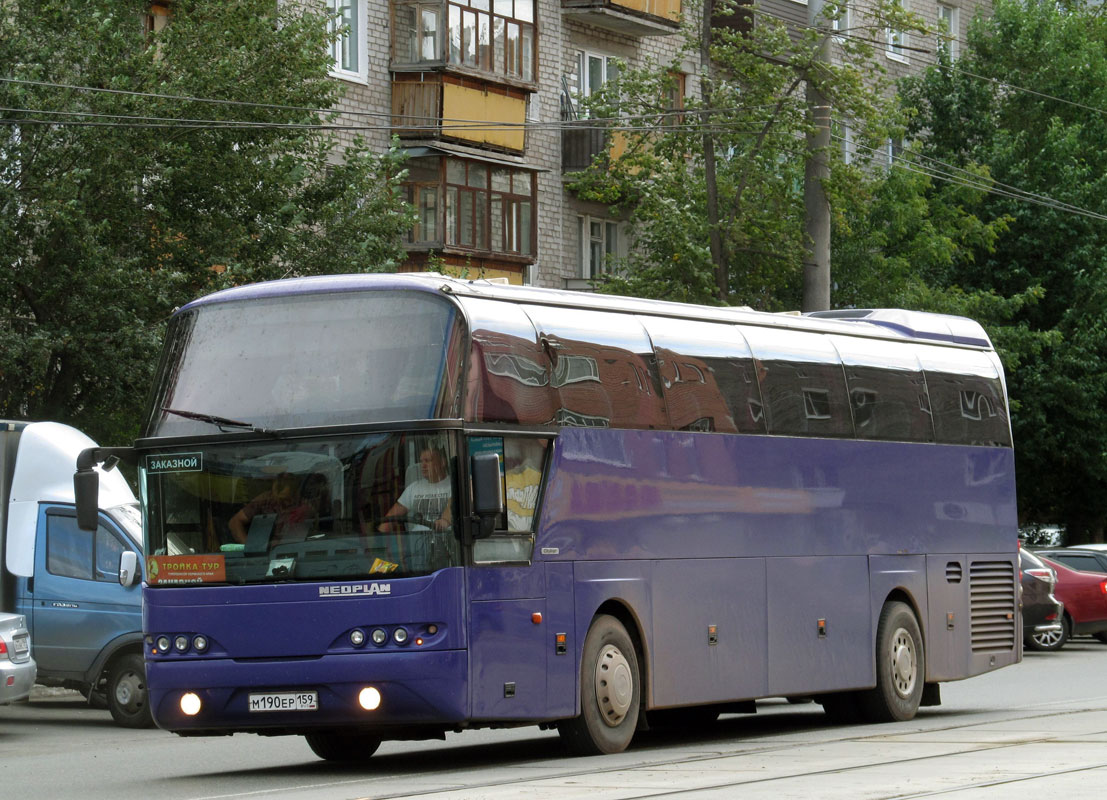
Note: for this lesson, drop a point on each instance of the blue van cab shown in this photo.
(80, 591)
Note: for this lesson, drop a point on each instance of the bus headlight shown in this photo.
(190, 704)
(180, 644)
(357, 637)
(369, 698)
(200, 642)
(399, 636)
(162, 644)
(380, 636)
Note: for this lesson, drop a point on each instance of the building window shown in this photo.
(593, 71)
(897, 41)
(418, 33)
(948, 19)
(474, 206)
(157, 17)
(493, 36)
(348, 48)
(599, 243)
(841, 23)
(893, 150)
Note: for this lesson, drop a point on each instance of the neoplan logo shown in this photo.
(357, 588)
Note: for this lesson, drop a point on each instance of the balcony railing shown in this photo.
(581, 142)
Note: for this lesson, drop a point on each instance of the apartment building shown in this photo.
(484, 95)
(478, 92)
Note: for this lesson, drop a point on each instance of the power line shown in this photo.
(968, 180)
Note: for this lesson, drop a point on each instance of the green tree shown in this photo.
(125, 192)
(741, 140)
(1026, 103)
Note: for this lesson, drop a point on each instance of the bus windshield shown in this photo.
(334, 508)
(306, 360)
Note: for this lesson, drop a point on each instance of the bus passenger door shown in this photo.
(508, 629)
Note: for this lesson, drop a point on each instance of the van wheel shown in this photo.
(900, 667)
(127, 698)
(610, 692)
(338, 746)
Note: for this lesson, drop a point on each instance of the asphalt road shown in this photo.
(1036, 730)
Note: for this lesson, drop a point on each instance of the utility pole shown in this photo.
(816, 268)
(714, 237)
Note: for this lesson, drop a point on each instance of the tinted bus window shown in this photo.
(603, 371)
(887, 390)
(966, 396)
(707, 376)
(802, 383)
(311, 359)
(509, 372)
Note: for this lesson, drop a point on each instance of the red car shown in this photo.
(1085, 597)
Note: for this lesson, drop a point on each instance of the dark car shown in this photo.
(1041, 611)
(1084, 559)
(1085, 597)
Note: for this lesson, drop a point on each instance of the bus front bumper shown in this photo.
(413, 691)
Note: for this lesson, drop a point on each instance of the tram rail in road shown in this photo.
(1039, 729)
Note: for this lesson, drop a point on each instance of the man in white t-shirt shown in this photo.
(425, 503)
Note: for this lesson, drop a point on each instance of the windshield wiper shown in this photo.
(220, 422)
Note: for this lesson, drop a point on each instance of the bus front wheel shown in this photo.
(900, 667)
(610, 692)
(339, 746)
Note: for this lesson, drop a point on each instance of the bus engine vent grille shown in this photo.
(953, 572)
(992, 606)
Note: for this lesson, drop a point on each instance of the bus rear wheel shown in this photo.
(339, 746)
(610, 692)
(900, 667)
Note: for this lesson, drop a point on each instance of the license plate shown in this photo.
(21, 646)
(285, 701)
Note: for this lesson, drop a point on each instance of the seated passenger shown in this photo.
(282, 500)
(425, 503)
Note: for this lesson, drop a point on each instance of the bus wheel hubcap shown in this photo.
(614, 685)
(903, 662)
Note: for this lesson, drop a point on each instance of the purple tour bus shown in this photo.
(391, 506)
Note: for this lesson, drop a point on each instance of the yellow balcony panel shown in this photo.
(630, 17)
(431, 106)
(490, 116)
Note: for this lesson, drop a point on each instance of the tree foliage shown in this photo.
(752, 113)
(1025, 103)
(125, 191)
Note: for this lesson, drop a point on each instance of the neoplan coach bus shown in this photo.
(388, 507)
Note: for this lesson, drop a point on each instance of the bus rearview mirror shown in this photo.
(86, 493)
(488, 496)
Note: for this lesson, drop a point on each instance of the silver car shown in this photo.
(17, 668)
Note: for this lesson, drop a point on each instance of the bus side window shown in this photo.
(524, 462)
(887, 389)
(802, 383)
(966, 396)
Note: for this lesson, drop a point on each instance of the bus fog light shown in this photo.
(190, 703)
(380, 636)
(369, 698)
(162, 644)
(180, 644)
(357, 637)
(399, 636)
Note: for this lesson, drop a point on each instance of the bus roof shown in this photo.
(878, 323)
